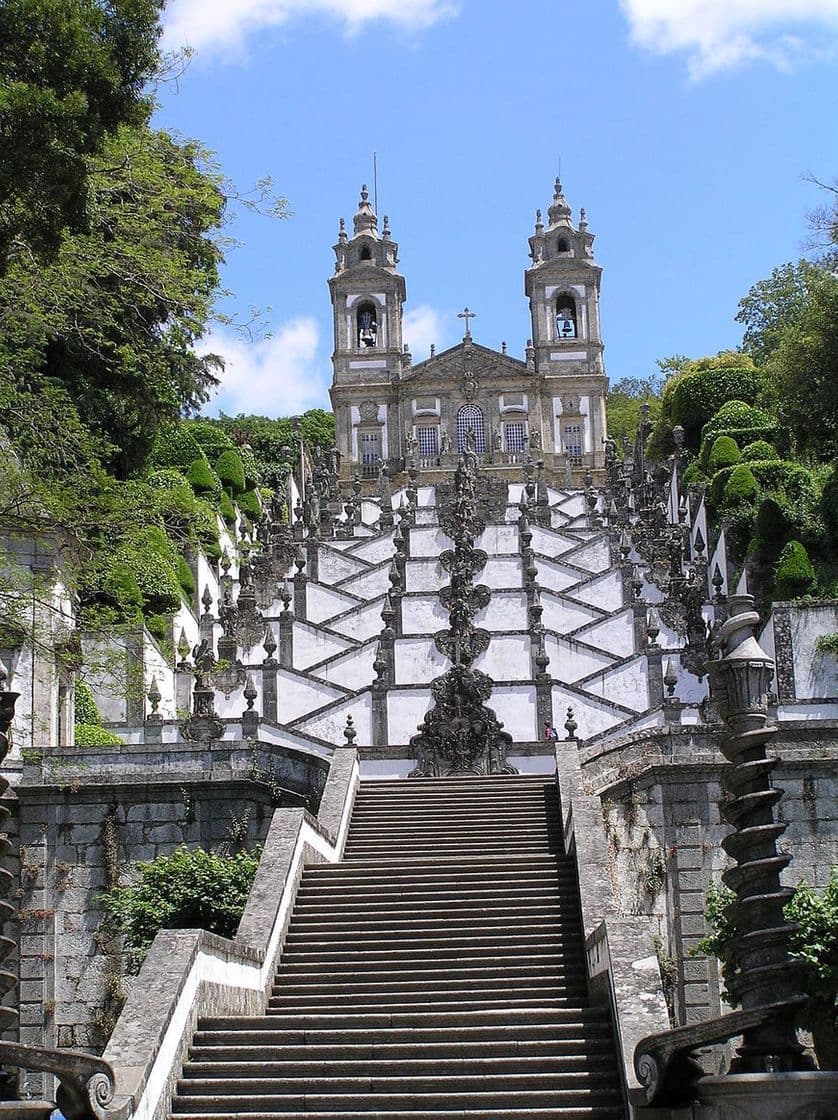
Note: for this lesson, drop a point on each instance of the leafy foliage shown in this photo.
(795, 575)
(189, 889)
(274, 444)
(760, 449)
(724, 453)
(202, 478)
(93, 735)
(89, 731)
(87, 710)
(741, 486)
(71, 73)
(230, 470)
(814, 944)
(625, 400)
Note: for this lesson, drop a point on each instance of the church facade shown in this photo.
(549, 405)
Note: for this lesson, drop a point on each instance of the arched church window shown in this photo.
(365, 255)
(566, 322)
(471, 431)
(367, 321)
(563, 246)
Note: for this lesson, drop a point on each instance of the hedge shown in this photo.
(227, 509)
(202, 478)
(772, 524)
(230, 470)
(737, 414)
(725, 453)
(699, 395)
(249, 503)
(741, 486)
(167, 478)
(791, 479)
(794, 575)
(175, 446)
(184, 576)
(91, 735)
(759, 451)
(211, 438)
(87, 710)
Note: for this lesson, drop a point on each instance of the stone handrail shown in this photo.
(622, 965)
(191, 973)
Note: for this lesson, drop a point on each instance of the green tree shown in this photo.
(625, 401)
(72, 72)
(772, 304)
(113, 319)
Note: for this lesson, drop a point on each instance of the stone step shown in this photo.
(317, 910)
(376, 1066)
(446, 972)
(488, 927)
(359, 961)
(363, 893)
(595, 1112)
(506, 876)
(396, 1002)
(560, 1081)
(403, 941)
(499, 1101)
(594, 1042)
(558, 916)
(327, 986)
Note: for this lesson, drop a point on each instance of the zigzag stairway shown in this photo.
(438, 971)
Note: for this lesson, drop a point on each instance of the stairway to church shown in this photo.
(438, 971)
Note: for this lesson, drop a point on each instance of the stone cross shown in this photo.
(467, 314)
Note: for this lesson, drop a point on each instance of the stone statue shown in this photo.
(444, 440)
(535, 439)
(496, 440)
(471, 441)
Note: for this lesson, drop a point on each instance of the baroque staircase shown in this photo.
(438, 971)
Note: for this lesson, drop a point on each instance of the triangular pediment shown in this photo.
(483, 364)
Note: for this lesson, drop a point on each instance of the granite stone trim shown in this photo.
(622, 965)
(192, 973)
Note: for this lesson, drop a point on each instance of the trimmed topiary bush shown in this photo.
(794, 575)
(185, 577)
(759, 451)
(737, 414)
(249, 503)
(230, 470)
(87, 710)
(772, 524)
(741, 486)
(211, 438)
(89, 731)
(725, 453)
(89, 735)
(202, 478)
(227, 509)
(167, 478)
(706, 386)
(790, 479)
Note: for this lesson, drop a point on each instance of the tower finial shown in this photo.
(365, 220)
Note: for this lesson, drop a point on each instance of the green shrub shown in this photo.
(167, 478)
(249, 504)
(724, 453)
(185, 577)
(158, 626)
(700, 391)
(252, 474)
(737, 414)
(759, 451)
(119, 589)
(230, 470)
(741, 486)
(185, 890)
(692, 473)
(152, 559)
(87, 710)
(175, 446)
(227, 509)
(794, 575)
(202, 478)
(829, 504)
(92, 735)
(791, 479)
(210, 437)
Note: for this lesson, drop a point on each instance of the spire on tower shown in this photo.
(559, 211)
(365, 220)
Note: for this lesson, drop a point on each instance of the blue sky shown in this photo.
(685, 127)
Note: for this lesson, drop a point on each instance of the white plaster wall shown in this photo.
(606, 592)
(405, 711)
(626, 684)
(363, 623)
(323, 603)
(815, 674)
(563, 616)
(155, 665)
(426, 495)
(570, 661)
(572, 505)
(206, 577)
(615, 634)
(515, 707)
(418, 661)
(499, 540)
(507, 658)
(370, 510)
(506, 610)
(689, 689)
(424, 575)
(504, 571)
(554, 576)
(105, 672)
(423, 614)
(297, 696)
(593, 557)
(370, 584)
(428, 542)
(376, 549)
(352, 670)
(549, 542)
(333, 566)
(330, 725)
(823, 709)
(592, 718)
(312, 646)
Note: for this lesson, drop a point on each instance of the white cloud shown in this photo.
(721, 34)
(277, 376)
(225, 24)
(422, 326)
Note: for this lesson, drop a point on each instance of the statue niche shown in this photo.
(367, 326)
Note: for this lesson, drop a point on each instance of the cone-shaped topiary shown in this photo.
(794, 575)
(741, 486)
(249, 503)
(759, 451)
(230, 470)
(202, 478)
(724, 453)
(772, 523)
(227, 509)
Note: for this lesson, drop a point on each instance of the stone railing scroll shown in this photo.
(190, 973)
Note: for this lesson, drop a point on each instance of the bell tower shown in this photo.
(368, 295)
(563, 286)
